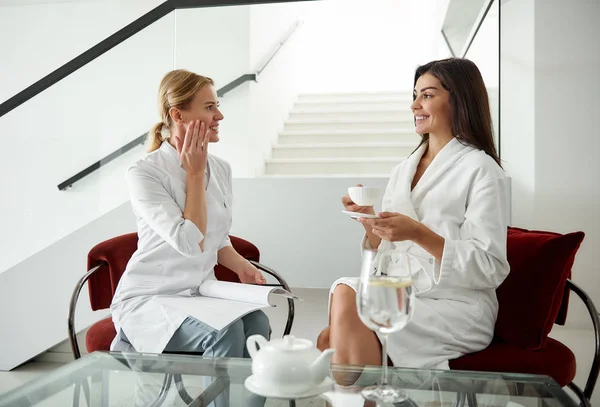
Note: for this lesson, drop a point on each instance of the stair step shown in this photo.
(342, 150)
(352, 105)
(350, 116)
(355, 97)
(323, 175)
(318, 136)
(367, 123)
(346, 108)
(340, 166)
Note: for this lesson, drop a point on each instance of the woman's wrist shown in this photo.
(195, 176)
(428, 240)
(418, 233)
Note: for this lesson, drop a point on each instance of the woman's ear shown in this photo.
(176, 116)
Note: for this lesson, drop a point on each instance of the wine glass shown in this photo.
(385, 300)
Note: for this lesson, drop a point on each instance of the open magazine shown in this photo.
(220, 303)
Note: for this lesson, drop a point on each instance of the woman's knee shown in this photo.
(230, 342)
(257, 323)
(343, 303)
(323, 339)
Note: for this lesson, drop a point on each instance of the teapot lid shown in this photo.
(290, 343)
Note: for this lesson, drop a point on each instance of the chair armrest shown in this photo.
(72, 306)
(284, 284)
(593, 376)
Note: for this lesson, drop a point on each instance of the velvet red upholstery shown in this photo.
(532, 294)
(554, 360)
(114, 254)
(100, 335)
(246, 249)
(531, 299)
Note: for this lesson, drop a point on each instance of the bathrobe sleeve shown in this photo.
(477, 260)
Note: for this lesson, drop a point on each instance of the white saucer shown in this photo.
(325, 385)
(357, 215)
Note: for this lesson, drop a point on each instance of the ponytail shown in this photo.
(155, 138)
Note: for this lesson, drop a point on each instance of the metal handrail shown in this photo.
(280, 45)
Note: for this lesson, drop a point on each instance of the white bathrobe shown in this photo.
(463, 197)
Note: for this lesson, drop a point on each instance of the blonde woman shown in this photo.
(181, 197)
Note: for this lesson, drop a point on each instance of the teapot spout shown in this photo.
(319, 369)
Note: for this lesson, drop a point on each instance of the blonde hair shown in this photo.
(177, 89)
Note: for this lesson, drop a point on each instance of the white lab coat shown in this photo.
(462, 196)
(168, 260)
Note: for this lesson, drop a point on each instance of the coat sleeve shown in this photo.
(477, 260)
(151, 201)
(226, 241)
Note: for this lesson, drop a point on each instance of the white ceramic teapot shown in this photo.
(289, 365)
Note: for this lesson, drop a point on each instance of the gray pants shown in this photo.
(196, 336)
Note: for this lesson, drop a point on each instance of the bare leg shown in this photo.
(355, 344)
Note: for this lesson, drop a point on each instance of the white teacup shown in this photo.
(364, 196)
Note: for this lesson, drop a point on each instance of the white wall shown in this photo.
(38, 38)
(567, 168)
(518, 106)
(112, 100)
(298, 226)
(35, 294)
(353, 45)
(214, 42)
(66, 128)
(98, 109)
(548, 133)
(254, 112)
(273, 96)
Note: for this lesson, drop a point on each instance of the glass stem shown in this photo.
(384, 365)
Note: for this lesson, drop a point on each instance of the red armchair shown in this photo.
(106, 264)
(532, 299)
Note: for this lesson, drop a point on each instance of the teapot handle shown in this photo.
(251, 344)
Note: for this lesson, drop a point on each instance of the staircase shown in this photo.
(344, 134)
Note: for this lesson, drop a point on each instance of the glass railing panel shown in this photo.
(76, 122)
(485, 52)
(47, 35)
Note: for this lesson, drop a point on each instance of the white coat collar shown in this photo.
(170, 152)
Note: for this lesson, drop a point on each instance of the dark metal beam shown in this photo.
(86, 57)
(181, 4)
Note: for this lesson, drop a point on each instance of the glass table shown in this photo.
(121, 379)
